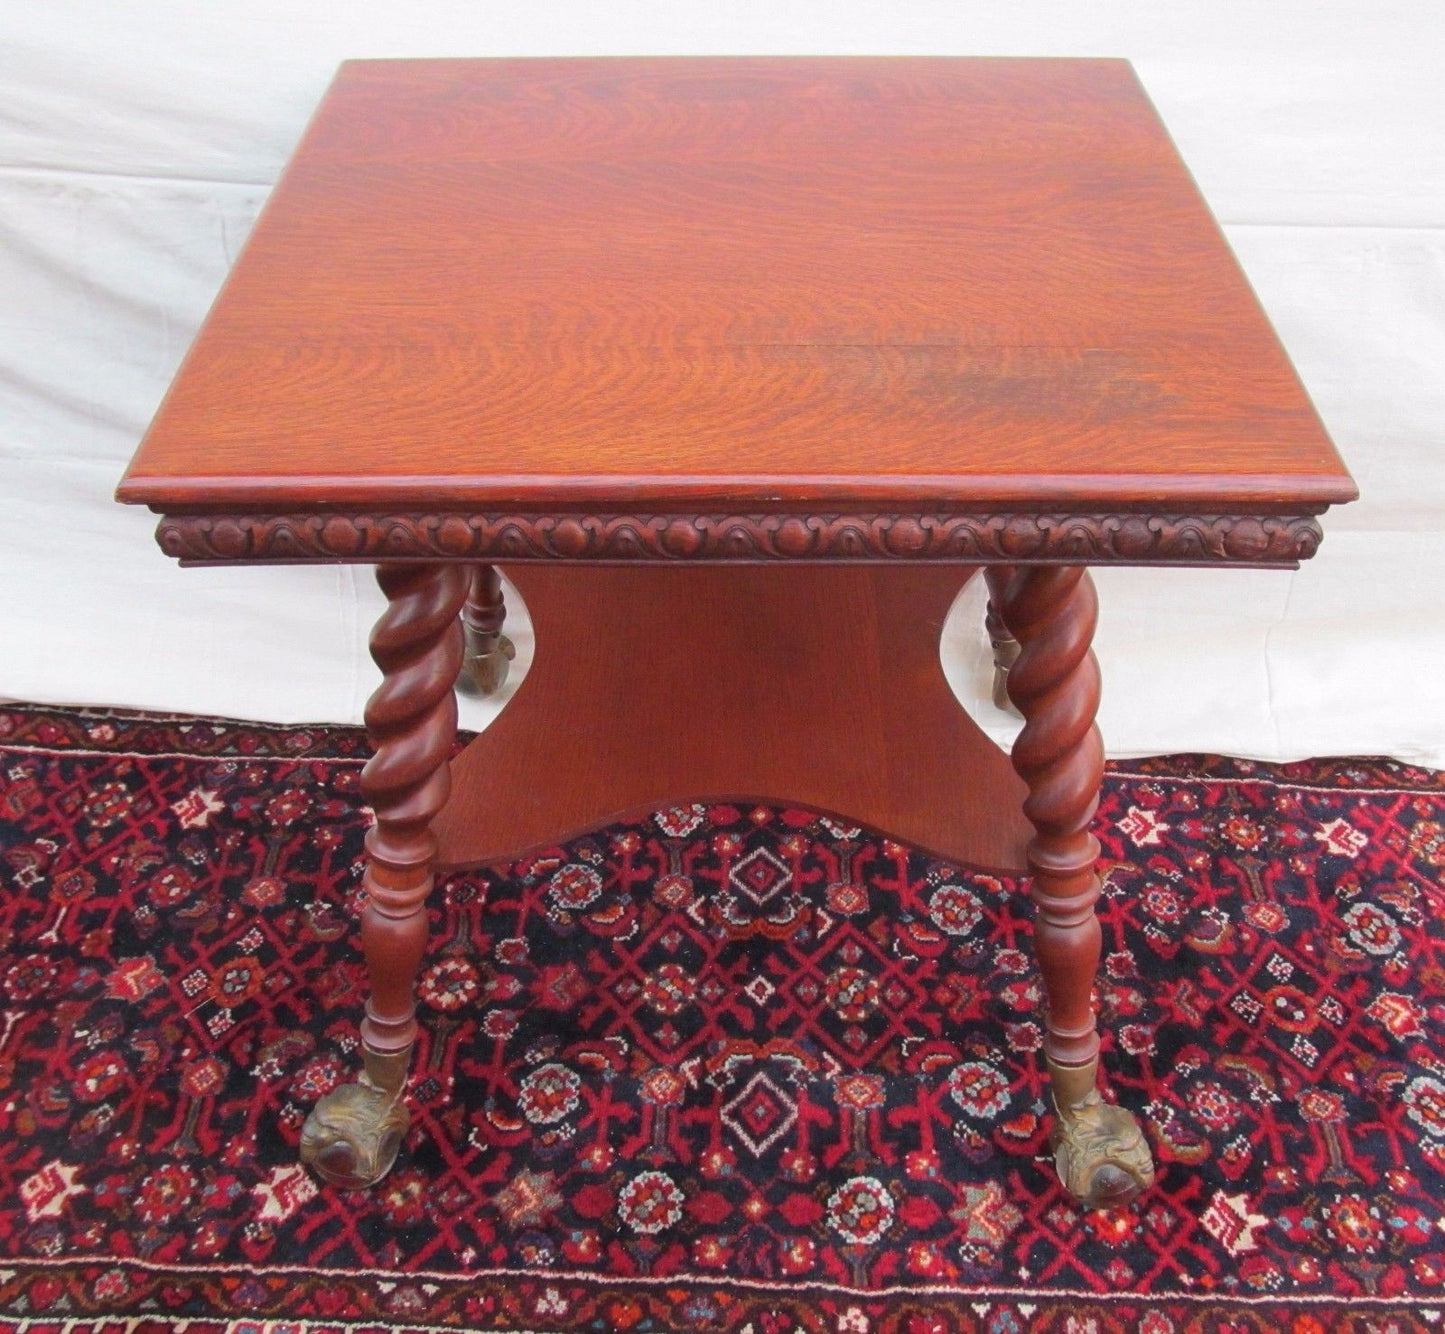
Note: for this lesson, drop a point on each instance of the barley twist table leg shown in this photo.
(1005, 646)
(1101, 1154)
(488, 650)
(352, 1136)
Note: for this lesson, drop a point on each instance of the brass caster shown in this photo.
(1101, 1154)
(484, 668)
(353, 1134)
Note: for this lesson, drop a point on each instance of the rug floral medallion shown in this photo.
(720, 1069)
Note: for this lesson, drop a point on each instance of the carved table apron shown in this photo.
(739, 370)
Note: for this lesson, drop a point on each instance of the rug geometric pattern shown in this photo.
(720, 1068)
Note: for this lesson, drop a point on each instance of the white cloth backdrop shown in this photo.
(138, 140)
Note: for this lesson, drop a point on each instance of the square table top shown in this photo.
(670, 284)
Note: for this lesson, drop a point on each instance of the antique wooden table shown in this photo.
(740, 369)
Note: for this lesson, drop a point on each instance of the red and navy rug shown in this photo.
(722, 1069)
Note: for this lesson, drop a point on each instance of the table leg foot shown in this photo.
(487, 662)
(1100, 1152)
(489, 652)
(352, 1137)
(1101, 1155)
(1005, 652)
(353, 1134)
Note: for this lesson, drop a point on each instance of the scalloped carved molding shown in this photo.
(1018, 539)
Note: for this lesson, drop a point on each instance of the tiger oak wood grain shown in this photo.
(818, 686)
(543, 283)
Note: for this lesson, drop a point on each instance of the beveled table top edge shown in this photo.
(1168, 492)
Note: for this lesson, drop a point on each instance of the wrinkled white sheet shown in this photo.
(137, 143)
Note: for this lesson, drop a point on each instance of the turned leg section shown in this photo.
(352, 1136)
(488, 651)
(1005, 646)
(1100, 1152)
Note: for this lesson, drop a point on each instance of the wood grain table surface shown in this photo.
(832, 284)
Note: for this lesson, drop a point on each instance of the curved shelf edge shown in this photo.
(654, 686)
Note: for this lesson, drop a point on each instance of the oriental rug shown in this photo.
(720, 1069)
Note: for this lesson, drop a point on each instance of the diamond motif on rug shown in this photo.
(759, 1114)
(761, 876)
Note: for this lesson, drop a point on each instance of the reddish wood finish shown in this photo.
(1054, 683)
(1018, 538)
(796, 314)
(817, 686)
(1005, 646)
(486, 609)
(411, 720)
(761, 282)
(998, 577)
